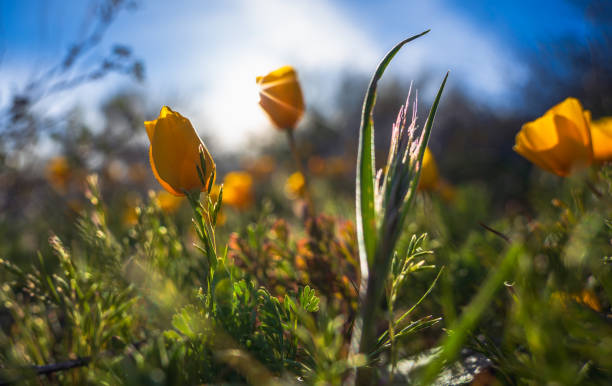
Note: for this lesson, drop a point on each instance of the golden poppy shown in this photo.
(429, 172)
(237, 190)
(280, 95)
(601, 135)
(175, 152)
(58, 173)
(295, 185)
(559, 141)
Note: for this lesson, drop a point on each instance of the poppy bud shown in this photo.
(175, 153)
(280, 95)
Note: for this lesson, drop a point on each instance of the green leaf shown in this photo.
(184, 322)
(309, 300)
(366, 212)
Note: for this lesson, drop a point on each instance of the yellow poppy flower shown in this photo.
(174, 153)
(237, 190)
(295, 185)
(559, 141)
(601, 135)
(168, 203)
(280, 95)
(429, 172)
(58, 173)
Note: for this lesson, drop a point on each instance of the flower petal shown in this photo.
(601, 133)
(150, 127)
(560, 140)
(571, 109)
(163, 183)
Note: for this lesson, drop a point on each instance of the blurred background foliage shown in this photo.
(551, 322)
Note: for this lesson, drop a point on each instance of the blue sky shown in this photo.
(202, 56)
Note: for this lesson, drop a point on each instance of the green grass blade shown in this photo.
(453, 342)
(366, 216)
(431, 287)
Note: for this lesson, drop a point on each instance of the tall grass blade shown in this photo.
(453, 342)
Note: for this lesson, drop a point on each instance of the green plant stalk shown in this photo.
(390, 232)
(365, 207)
(377, 239)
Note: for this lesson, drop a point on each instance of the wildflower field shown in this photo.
(382, 253)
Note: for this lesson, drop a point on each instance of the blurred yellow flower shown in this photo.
(429, 172)
(237, 190)
(174, 153)
(58, 173)
(295, 185)
(559, 141)
(168, 202)
(601, 135)
(300, 263)
(585, 297)
(130, 216)
(280, 95)
(589, 299)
